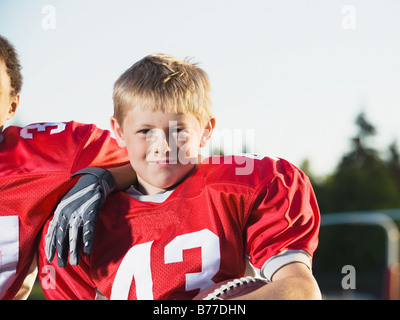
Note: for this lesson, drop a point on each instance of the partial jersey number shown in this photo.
(24, 133)
(9, 250)
(137, 265)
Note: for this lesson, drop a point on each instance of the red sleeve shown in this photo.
(69, 283)
(96, 149)
(283, 222)
(64, 146)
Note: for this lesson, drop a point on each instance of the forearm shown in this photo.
(124, 176)
(291, 282)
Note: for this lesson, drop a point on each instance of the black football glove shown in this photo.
(75, 216)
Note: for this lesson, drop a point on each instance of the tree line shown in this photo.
(364, 179)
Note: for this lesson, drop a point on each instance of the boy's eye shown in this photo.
(179, 130)
(151, 134)
(181, 134)
(144, 131)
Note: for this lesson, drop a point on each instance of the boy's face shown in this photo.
(8, 104)
(162, 147)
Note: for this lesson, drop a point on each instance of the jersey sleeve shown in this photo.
(283, 222)
(63, 147)
(96, 149)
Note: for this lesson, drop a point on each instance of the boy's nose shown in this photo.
(163, 146)
(161, 143)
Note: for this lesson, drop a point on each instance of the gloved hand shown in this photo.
(75, 216)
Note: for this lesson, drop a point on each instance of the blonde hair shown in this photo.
(162, 82)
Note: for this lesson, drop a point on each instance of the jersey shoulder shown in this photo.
(37, 133)
(42, 146)
(71, 132)
(247, 169)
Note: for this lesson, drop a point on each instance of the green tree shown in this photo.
(362, 180)
(394, 163)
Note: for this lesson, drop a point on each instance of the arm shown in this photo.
(291, 282)
(124, 176)
(282, 235)
(75, 215)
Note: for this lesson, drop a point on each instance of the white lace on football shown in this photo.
(215, 295)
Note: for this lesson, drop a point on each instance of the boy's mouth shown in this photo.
(163, 162)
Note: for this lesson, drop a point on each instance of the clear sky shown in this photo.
(290, 75)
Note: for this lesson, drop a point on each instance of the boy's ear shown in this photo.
(207, 132)
(116, 128)
(14, 103)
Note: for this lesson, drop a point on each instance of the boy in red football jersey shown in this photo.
(36, 163)
(190, 223)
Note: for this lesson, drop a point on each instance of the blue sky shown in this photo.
(293, 74)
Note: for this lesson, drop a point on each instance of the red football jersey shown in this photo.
(171, 245)
(36, 163)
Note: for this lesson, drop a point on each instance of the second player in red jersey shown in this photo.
(36, 163)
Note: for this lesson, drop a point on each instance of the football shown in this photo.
(231, 288)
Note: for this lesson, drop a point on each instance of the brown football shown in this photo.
(230, 289)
